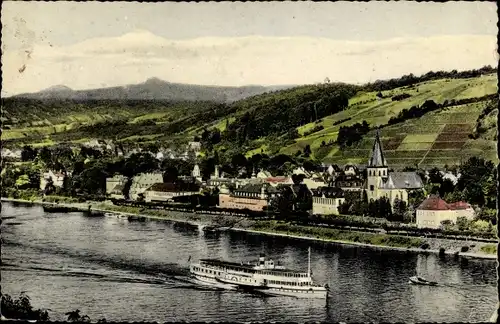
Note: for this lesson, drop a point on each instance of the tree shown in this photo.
(384, 208)
(282, 203)
(21, 309)
(462, 224)
(75, 316)
(307, 151)
(476, 174)
(28, 153)
(446, 187)
(400, 209)
(22, 182)
(303, 199)
(435, 176)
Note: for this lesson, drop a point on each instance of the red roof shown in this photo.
(277, 179)
(434, 203)
(459, 205)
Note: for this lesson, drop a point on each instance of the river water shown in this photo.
(130, 271)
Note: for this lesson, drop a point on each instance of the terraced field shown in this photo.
(435, 139)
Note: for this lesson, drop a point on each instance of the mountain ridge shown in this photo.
(155, 88)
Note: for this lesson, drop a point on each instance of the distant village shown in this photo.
(328, 186)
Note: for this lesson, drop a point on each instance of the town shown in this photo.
(460, 200)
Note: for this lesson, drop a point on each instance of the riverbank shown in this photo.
(326, 235)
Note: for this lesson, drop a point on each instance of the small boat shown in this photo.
(416, 280)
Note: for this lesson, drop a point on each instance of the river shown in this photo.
(131, 271)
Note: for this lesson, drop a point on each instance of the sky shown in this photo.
(85, 45)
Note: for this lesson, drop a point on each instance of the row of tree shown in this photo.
(410, 79)
(348, 135)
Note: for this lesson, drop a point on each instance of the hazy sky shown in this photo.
(91, 44)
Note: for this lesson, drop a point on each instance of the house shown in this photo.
(143, 181)
(349, 182)
(167, 191)
(333, 170)
(382, 183)
(115, 186)
(463, 209)
(326, 200)
(93, 143)
(275, 181)
(302, 171)
(351, 170)
(12, 154)
(314, 181)
(217, 180)
(262, 174)
(57, 179)
(254, 197)
(434, 210)
(194, 146)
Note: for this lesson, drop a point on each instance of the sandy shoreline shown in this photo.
(84, 207)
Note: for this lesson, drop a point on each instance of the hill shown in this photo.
(460, 122)
(152, 89)
(436, 138)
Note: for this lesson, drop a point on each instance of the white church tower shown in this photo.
(376, 170)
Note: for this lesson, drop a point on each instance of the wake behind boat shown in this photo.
(263, 277)
(416, 280)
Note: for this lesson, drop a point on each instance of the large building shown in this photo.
(326, 200)
(382, 183)
(168, 191)
(254, 197)
(434, 210)
(143, 181)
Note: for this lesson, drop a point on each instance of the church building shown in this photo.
(382, 183)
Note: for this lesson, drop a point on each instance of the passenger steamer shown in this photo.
(264, 277)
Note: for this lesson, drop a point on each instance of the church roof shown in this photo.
(377, 158)
(403, 180)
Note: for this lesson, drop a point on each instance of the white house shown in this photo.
(141, 182)
(434, 210)
(326, 200)
(56, 177)
(115, 186)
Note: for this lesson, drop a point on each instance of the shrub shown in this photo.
(464, 249)
(489, 248)
(425, 246)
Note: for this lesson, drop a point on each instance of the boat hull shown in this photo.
(212, 282)
(320, 294)
(241, 285)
